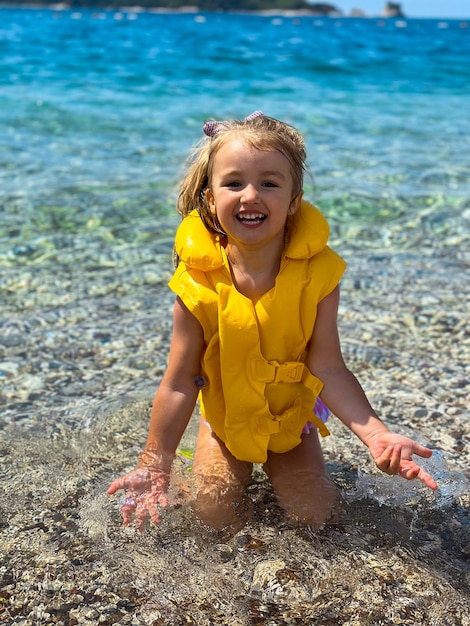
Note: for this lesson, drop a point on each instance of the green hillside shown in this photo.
(202, 5)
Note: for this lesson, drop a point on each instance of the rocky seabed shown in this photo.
(82, 348)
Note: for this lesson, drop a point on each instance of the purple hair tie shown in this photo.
(212, 127)
(254, 115)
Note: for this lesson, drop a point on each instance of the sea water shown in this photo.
(98, 111)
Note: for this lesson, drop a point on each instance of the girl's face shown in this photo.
(252, 193)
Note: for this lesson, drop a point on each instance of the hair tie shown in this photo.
(212, 127)
(253, 116)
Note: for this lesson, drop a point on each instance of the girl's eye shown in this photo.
(270, 184)
(232, 184)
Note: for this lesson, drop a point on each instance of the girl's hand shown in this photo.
(393, 455)
(145, 490)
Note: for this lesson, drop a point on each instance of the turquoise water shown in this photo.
(99, 110)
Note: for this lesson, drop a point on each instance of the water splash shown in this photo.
(398, 492)
(451, 484)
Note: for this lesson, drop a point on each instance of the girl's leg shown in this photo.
(300, 479)
(221, 481)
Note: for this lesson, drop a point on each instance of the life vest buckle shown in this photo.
(290, 372)
(274, 372)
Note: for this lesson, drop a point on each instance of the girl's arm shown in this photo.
(344, 396)
(176, 396)
(146, 487)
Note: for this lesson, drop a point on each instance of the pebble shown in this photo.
(9, 368)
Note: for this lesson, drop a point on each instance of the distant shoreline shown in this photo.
(189, 10)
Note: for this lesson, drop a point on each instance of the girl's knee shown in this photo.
(301, 482)
(220, 482)
(307, 498)
(218, 503)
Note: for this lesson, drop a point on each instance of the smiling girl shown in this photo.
(255, 338)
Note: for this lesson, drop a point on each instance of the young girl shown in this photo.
(255, 339)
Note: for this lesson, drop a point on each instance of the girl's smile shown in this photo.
(251, 219)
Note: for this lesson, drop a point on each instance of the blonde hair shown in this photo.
(257, 130)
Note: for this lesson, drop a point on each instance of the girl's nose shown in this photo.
(250, 193)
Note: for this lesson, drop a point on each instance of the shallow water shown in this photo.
(379, 562)
(72, 424)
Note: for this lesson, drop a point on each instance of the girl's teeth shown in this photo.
(251, 218)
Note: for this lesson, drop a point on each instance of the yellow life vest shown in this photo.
(259, 393)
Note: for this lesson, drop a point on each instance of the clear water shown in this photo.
(98, 112)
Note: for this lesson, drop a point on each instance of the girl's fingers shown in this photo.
(395, 459)
(140, 516)
(127, 510)
(115, 486)
(428, 480)
(422, 451)
(415, 471)
(410, 470)
(389, 460)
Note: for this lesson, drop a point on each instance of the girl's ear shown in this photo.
(210, 201)
(295, 203)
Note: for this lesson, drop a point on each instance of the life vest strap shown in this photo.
(272, 424)
(321, 426)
